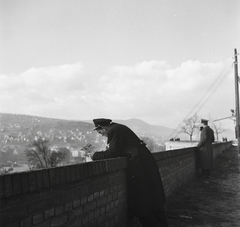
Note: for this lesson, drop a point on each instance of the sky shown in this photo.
(160, 61)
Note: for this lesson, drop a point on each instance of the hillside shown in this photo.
(143, 128)
(16, 129)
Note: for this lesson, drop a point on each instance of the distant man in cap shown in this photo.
(205, 148)
(145, 190)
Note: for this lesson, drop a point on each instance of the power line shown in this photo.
(206, 96)
(214, 89)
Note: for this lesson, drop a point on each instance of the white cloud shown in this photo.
(38, 88)
(161, 94)
(151, 91)
(63, 77)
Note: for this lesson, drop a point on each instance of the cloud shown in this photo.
(151, 90)
(158, 93)
(37, 88)
(63, 77)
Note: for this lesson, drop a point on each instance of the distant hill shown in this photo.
(11, 121)
(143, 128)
(20, 126)
(20, 130)
(16, 124)
(26, 126)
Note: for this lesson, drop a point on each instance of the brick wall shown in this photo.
(176, 167)
(88, 194)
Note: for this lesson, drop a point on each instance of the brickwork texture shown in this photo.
(86, 194)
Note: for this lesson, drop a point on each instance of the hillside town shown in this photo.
(70, 137)
(15, 137)
(17, 132)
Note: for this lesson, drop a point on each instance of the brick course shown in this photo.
(87, 194)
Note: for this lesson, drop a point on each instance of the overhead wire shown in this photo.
(211, 90)
(203, 100)
(214, 89)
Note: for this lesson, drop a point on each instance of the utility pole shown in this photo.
(237, 100)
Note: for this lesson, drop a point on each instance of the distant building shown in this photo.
(173, 145)
(78, 153)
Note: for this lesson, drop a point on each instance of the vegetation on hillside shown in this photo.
(40, 155)
(18, 131)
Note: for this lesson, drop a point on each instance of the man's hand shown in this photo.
(88, 147)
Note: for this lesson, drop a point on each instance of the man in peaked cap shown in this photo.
(146, 195)
(204, 121)
(205, 148)
(101, 122)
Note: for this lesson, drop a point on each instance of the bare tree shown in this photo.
(217, 127)
(190, 126)
(40, 155)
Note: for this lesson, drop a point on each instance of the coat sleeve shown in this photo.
(213, 138)
(203, 139)
(115, 146)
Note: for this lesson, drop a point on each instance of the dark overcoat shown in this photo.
(205, 153)
(145, 189)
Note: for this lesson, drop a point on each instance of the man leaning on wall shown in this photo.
(146, 197)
